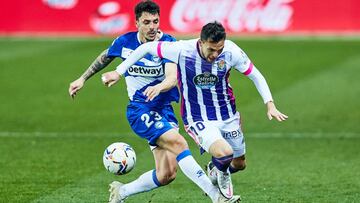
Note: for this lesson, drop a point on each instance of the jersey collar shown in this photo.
(138, 36)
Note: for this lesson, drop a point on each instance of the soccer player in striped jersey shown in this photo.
(208, 103)
(152, 120)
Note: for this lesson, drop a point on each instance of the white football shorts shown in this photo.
(205, 133)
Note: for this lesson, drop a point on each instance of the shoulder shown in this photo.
(127, 37)
(167, 37)
(233, 48)
(229, 45)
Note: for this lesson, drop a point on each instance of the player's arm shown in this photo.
(264, 90)
(168, 50)
(169, 82)
(243, 64)
(99, 63)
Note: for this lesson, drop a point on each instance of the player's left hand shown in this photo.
(274, 113)
(110, 78)
(152, 92)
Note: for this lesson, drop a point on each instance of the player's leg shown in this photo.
(209, 137)
(164, 173)
(237, 142)
(166, 165)
(155, 126)
(232, 133)
(238, 164)
(175, 143)
(150, 179)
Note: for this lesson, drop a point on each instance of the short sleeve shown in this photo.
(116, 47)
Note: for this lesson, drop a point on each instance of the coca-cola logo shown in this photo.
(61, 4)
(235, 15)
(107, 19)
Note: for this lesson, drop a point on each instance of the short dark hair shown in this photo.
(146, 6)
(213, 32)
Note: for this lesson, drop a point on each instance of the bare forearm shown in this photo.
(100, 63)
(170, 80)
(167, 84)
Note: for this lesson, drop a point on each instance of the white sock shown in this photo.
(193, 171)
(146, 182)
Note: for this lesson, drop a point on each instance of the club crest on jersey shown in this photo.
(221, 64)
(159, 125)
(205, 80)
(156, 59)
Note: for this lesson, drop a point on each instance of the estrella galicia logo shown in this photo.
(205, 80)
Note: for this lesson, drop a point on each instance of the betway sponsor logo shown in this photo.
(146, 71)
(235, 15)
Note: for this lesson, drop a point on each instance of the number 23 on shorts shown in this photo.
(150, 118)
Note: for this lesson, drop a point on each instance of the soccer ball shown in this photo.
(119, 158)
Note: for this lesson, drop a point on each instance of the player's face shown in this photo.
(148, 26)
(211, 50)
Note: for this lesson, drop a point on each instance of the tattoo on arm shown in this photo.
(100, 63)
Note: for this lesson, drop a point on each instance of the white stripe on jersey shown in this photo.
(225, 90)
(185, 89)
(200, 98)
(214, 96)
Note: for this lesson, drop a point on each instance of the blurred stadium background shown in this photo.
(51, 146)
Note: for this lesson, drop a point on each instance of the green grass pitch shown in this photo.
(51, 146)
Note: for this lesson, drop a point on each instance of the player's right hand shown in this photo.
(75, 86)
(151, 92)
(110, 78)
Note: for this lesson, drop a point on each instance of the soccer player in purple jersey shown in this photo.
(208, 103)
(154, 120)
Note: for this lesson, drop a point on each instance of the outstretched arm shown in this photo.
(243, 64)
(166, 50)
(112, 77)
(100, 63)
(258, 79)
(139, 53)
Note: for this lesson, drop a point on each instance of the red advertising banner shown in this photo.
(180, 16)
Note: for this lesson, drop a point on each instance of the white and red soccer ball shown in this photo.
(119, 158)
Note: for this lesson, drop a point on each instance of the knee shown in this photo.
(166, 177)
(179, 142)
(221, 150)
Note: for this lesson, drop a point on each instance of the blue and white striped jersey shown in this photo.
(148, 71)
